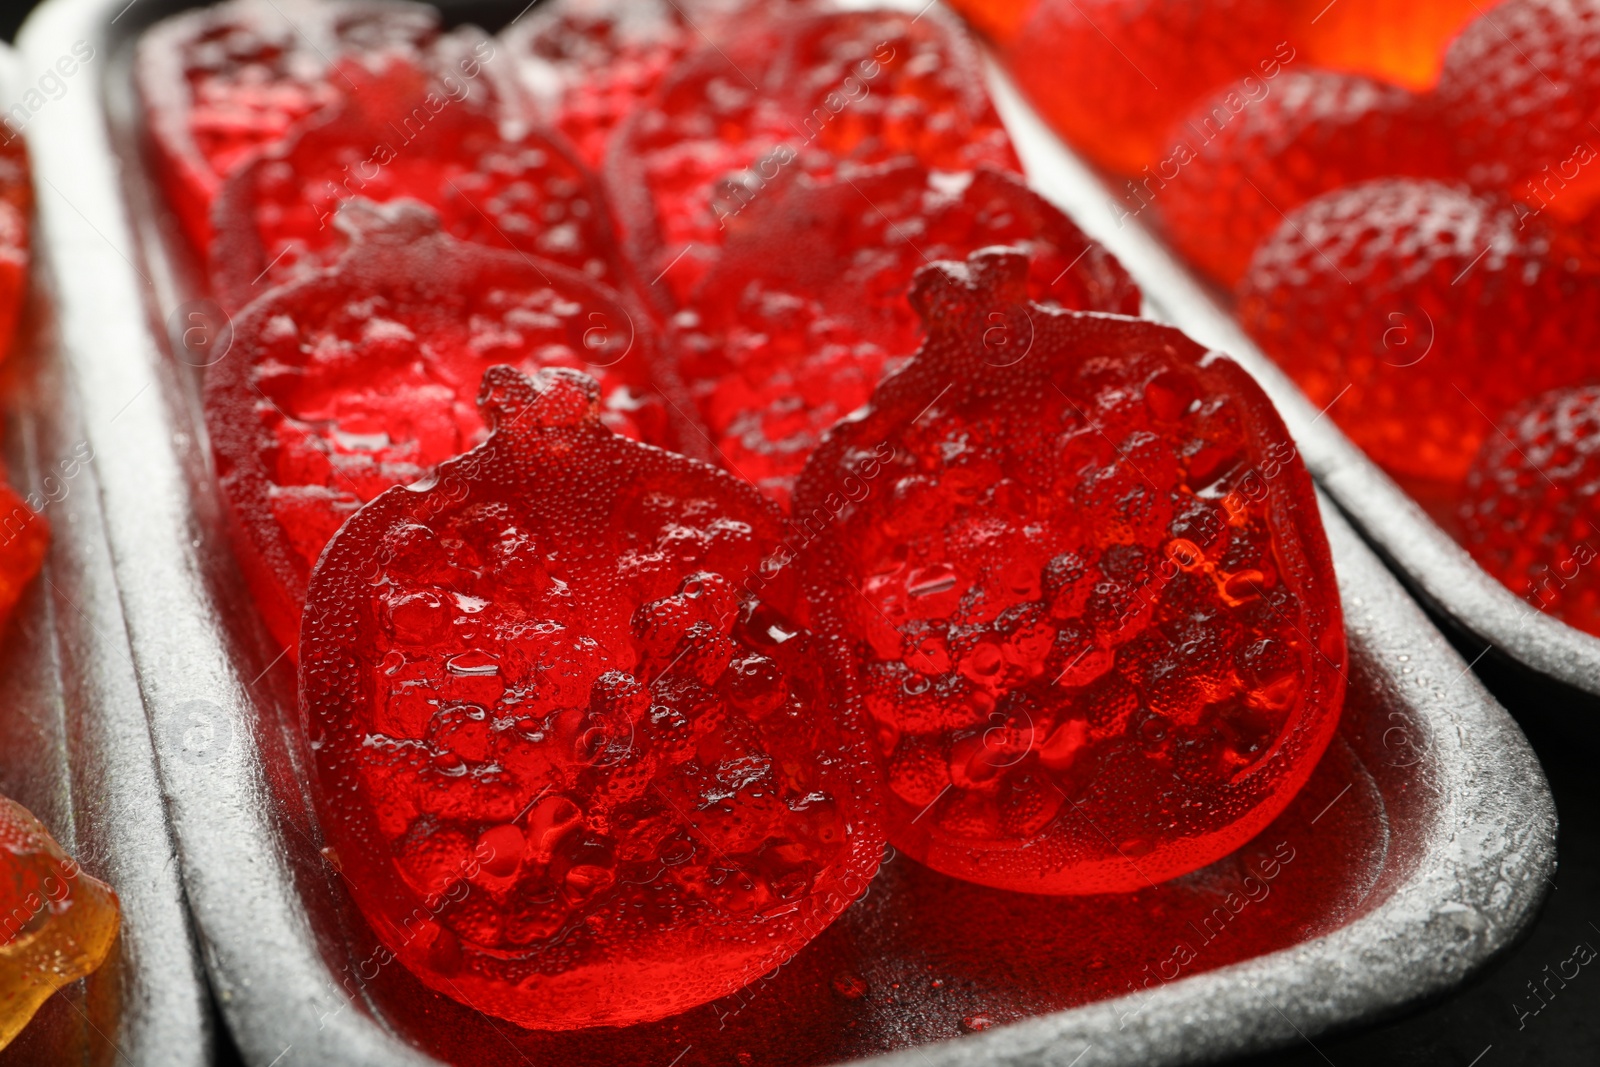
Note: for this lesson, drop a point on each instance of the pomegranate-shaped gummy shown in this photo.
(362, 376)
(577, 771)
(1245, 162)
(1531, 510)
(1419, 312)
(16, 206)
(1403, 44)
(274, 217)
(59, 924)
(1521, 92)
(1081, 567)
(1114, 75)
(806, 308)
(24, 539)
(844, 88)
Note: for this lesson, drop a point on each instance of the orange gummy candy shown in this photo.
(56, 923)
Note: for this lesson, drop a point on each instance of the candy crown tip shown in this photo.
(557, 396)
(400, 221)
(990, 278)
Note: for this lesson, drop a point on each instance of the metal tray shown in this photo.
(1433, 565)
(74, 742)
(1427, 832)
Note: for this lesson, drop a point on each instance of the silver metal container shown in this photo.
(74, 741)
(1420, 848)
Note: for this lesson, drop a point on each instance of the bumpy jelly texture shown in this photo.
(1531, 508)
(844, 88)
(1114, 75)
(274, 217)
(1521, 91)
(1420, 312)
(1080, 564)
(362, 377)
(806, 309)
(220, 82)
(1244, 163)
(576, 770)
(57, 924)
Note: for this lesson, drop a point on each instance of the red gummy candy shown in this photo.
(274, 217)
(1114, 75)
(1521, 92)
(1530, 513)
(1420, 312)
(220, 82)
(576, 771)
(362, 377)
(1081, 567)
(1403, 44)
(806, 308)
(16, 205)
(24, 539)
(1246, 160)
(857, 87)
(998, 20)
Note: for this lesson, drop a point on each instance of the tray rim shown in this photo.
(220, 812)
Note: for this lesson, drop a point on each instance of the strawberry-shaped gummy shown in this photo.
(220, 82)
(24, 539)
(854, 87)
(274, 217)
(577, 771)
(1250, 158)
(362, 376)
(806, 308)
(1521, 92)
(1082, 570)
(1418, 312)
(1114, 75)
(57, 924)
(16, 206)
(1531, 509)
(1403, 44)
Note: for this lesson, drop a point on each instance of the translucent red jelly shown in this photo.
(362, 376)
(1082, 569)
(275, 217)
(57, 924)
(1403, 44)
(575, 770)
(16, 206)
(24, 539)
(777, 347)
(860, 87)
(1531, 513)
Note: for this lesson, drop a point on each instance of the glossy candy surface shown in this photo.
(576, 773)
(1311, 132)
(1531, 509)
(16, 206)
(24, 539)
(362, 377)
(806, 309)
(57, 924)
(1420, 312)
(1403, 44)
(1081, 566)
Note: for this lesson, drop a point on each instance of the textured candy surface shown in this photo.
(220, 82)
(16, 206)
(1521, 91)
(24, 539)
(1421, 312)
(1531, 510)
(1248, 159)
(362, 377)
(57, 924)
(806, 309)
(856, 88)
(1081, 566)
(576, 772)
(1114, 75)
(274, 217)
(1403, 44)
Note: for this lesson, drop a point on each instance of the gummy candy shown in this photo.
(220, 82)
(57, 924)
(274, 217)
(1530, 513)
(1313, 131)
(577, 769)
(1418, 312)
(1080, 565)
(361, 377)
(16, 204)
(1521, 91)
(24, 538)
(806, 308)
(998, 20)
(1114, 75)
(856, 87)
(1403, 44)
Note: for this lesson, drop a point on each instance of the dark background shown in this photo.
(1478, 1024)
